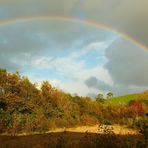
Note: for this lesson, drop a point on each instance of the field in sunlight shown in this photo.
(116, 129)
(121, 99)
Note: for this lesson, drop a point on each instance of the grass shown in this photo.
(121, 99)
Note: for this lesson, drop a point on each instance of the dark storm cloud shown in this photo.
(127, 63)
(129, 16)
(93, 82)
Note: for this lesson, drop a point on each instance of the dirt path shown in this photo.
(117, 129)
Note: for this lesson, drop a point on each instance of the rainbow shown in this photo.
(70, 18)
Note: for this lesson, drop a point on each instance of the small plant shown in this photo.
(107, 122)
(105, 129)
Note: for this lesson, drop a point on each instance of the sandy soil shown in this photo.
(117, 129)
(78, 137)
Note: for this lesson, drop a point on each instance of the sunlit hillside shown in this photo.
(126, 99)
(27, 110)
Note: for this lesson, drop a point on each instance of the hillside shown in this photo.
(121, 99)
(26, 109)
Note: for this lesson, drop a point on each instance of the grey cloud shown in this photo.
(127, 63)
(42, 34)
(17, 8)
(7, 63)
(22, 41)
(117, 88)
(129, 16)
(93, 82)
(121, 89)
(92, 95)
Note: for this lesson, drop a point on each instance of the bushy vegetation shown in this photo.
(25, 108)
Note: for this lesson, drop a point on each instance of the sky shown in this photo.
(54, 41)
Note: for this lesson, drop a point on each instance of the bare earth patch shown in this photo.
(117, 129)
(78, 137)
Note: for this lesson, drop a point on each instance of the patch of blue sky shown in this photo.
(57, 53)
(92, 59)
(46, 74)
(76, 47)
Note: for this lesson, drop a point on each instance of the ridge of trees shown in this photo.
(25, 108)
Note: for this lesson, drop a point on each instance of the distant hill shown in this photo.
(121, 99)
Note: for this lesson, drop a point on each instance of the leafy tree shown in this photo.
(109, 95)
(100, 98)
(3, 79)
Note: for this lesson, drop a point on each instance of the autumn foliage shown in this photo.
(26, 108)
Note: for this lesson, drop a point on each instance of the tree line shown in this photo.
(25, 108)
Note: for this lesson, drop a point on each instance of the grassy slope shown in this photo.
(121, 99)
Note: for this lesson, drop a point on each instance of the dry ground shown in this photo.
(117, 129)
(78, 137)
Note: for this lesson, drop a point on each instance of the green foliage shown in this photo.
(110, 95)
(5, 120)
(121, 99)
(99, 98)
(107, 122)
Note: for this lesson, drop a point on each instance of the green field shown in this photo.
(121, 99)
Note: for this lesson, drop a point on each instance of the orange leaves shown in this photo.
(137, 107)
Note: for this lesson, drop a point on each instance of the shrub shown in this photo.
(107, 122)
(61, 122)
(142, 125)
(138, 109)
(5, 120)
(88, 120)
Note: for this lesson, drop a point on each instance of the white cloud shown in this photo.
(75, 70)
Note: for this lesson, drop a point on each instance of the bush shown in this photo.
(60, 122)
(5, 120)
(142, 125)
(107, 122)
(88, 120)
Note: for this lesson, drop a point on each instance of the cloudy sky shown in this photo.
(74, 55)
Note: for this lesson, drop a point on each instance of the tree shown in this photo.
(109, 95)
(3, 78)
(100, 98)
(46, 89)
(28, 90)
